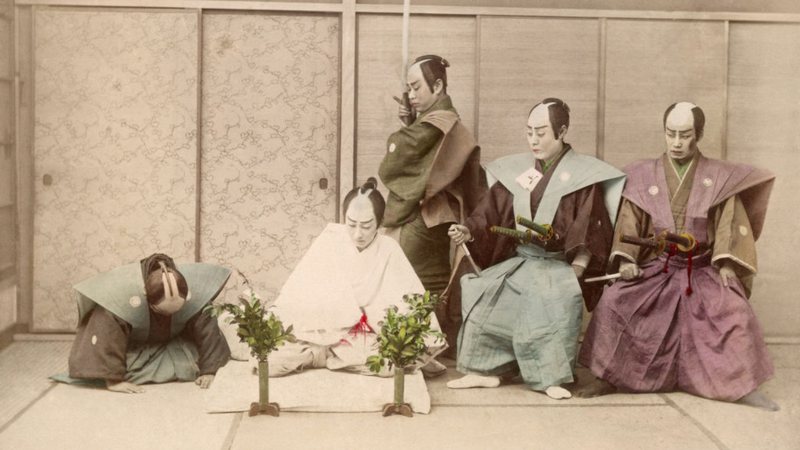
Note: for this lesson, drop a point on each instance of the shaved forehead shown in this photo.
(360, 209)
(681, 117)
(416, 67)
(540, 116)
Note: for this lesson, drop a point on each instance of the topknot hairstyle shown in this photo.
(370, 189)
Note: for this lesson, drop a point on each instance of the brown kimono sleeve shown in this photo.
(591, 229)
(473, 182)
(212, 348)
(733, 239)
(496, 208)
(632, 221)
(582, 224)
(100, 347)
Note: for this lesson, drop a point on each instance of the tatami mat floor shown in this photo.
(38, 414)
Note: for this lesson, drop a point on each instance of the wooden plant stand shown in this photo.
(398, 407)
(263, 405)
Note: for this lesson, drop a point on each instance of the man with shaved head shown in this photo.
(679, 318)
(433, 173)
(522, 314)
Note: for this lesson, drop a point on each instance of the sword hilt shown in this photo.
(545, 232)
(524, 237)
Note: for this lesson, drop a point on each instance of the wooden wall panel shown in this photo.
(7, 233)
(652, 64)
(379, 75)
(764, 114)
(524, 60)
(6, 145)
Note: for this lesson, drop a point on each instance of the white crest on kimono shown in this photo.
(565, 176)
(392, 147)
(743, 230)
(707, 182)
(653, 190)
(94, 339)
(135, 301)
(529, 179)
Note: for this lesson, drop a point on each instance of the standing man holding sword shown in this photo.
(433, 173)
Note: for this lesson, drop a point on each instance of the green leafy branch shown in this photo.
(260, 329)
(401, 341)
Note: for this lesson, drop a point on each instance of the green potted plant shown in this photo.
(263, 332)
(401, 343)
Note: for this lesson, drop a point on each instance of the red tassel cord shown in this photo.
(362, 327)
(672, 249)
(689, 273)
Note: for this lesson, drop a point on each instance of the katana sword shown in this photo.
(611, 276)
(409, 119)
(469, 257)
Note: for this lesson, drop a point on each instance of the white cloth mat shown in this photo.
(318, 390)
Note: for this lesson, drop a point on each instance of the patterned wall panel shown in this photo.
(270, 134)
(523, 61)
(379, 75)
(115, 147)
(652, 64)
(763, 117)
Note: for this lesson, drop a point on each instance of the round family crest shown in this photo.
(743, 230)
(707, 182)
(653, 190)
(135, 301)
(392, 147)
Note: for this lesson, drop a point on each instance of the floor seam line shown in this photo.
(26, 408)
(505, 405)
(696, 423)
(227, 444)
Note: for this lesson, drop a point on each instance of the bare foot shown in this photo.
(759, 400)
(557, 393)
(595, 388)
(474, 380)
(124, 387)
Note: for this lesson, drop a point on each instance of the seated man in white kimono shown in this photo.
(340, 290)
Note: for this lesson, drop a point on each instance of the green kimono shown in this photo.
(432, 169)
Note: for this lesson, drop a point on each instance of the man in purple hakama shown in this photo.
(679, 318)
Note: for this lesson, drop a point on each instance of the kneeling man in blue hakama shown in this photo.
(524, 312)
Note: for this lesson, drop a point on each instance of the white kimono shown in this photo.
(333, 289)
